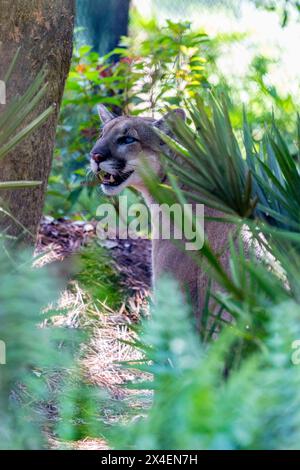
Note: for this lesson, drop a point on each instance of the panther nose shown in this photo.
(97, 157)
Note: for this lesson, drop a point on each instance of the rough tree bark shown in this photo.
(43, 29)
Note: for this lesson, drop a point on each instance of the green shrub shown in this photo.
(161, 71)
(195, 407)
(33, 355)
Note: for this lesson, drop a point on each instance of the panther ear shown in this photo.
(104, 114)
(162, 123)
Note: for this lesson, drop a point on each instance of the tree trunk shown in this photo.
(43, 29)
(104, 22)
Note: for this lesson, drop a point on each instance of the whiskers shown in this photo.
(90, 174)
(91, 178)
(92, 181)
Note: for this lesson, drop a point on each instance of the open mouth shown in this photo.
(113, 180)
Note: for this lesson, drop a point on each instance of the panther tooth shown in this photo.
(111, 179)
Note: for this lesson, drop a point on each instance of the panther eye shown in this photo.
(127, 139)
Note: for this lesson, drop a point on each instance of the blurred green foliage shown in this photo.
(285, 8)
(98, 276)
(166, 67)
(36, 358)
(262, 98)
(195, 407)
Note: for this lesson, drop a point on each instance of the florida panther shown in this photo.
(124, 144)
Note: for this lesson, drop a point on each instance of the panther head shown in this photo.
(124, 144)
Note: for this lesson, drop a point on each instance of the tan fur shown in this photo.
(166, 257)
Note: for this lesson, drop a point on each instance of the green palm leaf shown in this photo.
(14, 115)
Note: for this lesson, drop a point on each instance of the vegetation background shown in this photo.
(85, 365)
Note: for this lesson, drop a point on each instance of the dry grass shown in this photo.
(105, 350)
(88, 443)
(102, 354)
